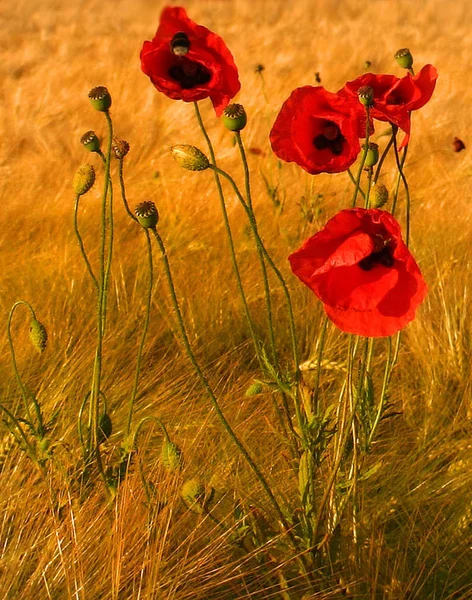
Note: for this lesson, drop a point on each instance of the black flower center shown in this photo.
(331, 139)
(189, 74)
(383, 257)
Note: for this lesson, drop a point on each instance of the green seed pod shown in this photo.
(404, 58)
(254, 389)
(38, 335)
(105, 428)
(366, 95)
(378, 196)
(234, 117)
(120, 148)
(147, 214)
(372, 157)
(171, 456)
(44, 444)
(190, 158)
(100, 98)
(84, 179)
(90, 141)
(193, 494)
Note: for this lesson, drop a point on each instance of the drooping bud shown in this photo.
(378, 196)
(105, 428)
(147, 215)
(372, 157)
(404, 58)
(366, 95)
(38, 335)
(90, 141)
(190, 158)
(193, 494)
(100, 98)
(84, 179)
(367, 65)
(120, 148)
(234, 117)
(458, 145)
(254, 389)
(171, 455)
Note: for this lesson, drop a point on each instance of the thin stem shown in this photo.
(123, 191)
(234, 262)
(364, 156)
(383, 157)
(81, 243)
(144, 333)
(279, 276)
(214, 401)
(405, 184)
(353, 179)
(29, 447)
(25, 392)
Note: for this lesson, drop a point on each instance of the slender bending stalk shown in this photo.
(234, 261)
(26, 394)
(143, 336)
(364, 156)
(206, 385)
(81, 243)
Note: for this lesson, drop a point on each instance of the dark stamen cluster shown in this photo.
(189, 74)
(330, 139)
(382, 257)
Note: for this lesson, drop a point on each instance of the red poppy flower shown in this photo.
(317, 130)
(188, 62)
(361, 270)
(394, 98)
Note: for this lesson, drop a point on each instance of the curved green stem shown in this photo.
(123, 191)
(26, 394)
(211, 394)
(364, 156)
(383, 157)
(81, 243)
(234, 262)
(143, 336)
(405, 184)
(14, 420)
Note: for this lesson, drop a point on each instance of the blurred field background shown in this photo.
(418, 505)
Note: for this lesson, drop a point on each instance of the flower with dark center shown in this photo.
(186, 61)
(360, 268)
(317, 130)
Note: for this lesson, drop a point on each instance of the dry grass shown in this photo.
(415, 541)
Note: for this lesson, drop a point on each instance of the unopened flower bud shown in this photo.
(90, 141)
(458, 145)
(147, 214)
(100, 98)
(190, 158)
(120, 148)
(84, 179)
(372, 157)
(254, 389)
(366, 95)
(193, 494)
(404, 58)
(38, 335)
(234, 117)
(171, 455)
(378, 196)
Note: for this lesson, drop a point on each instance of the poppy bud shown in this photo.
(38, 335)
(171, 455)
(120, 148)
(190, 158)
(105, 427)
(193, 494)
(100, 98)
(372, 157)
(234, 117)
(366, 95)
(378, 195)
(404, 58)
(254, 389)
(90, 141)
(147, 214)
(367, 65)
(84, 179)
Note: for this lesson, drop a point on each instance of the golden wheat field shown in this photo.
(401, 528)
